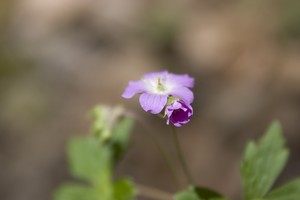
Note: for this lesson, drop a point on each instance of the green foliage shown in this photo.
(75, 192)
(105, 118)
(289, 191)
(92, 160)
(263, 162)
(88, 159)
(112, 129)
(124, 190)
(198, 193)
(120, 139)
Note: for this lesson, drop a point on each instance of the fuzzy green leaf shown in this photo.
(75, 192)
(89, 160)
(124, 190)
(263, 162)
(289, 191)
(119, 140)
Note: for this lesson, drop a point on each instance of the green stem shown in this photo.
(162, 152)
(181, 157)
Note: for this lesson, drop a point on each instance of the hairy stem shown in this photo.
(162, 152)
(181, 157)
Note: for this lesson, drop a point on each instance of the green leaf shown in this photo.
(89, 160)
(263, 162)
(198, 193)
(124, 190)
(289, 191)
(119, 140)
(75, 192)
(122, 131)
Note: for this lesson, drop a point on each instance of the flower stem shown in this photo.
(161, 151)
(181, 157)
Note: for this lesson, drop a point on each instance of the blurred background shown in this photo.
(60, 58)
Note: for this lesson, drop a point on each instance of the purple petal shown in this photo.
(155, 75)
(179, 113)
(176, 105)
(133, 88)
(183, 93)
(183, 80)
(153, 103)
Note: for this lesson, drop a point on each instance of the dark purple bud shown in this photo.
(179, 113)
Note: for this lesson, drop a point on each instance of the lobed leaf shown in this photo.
(289, 191)
(92, 159)
(263, 162)
(89, 160)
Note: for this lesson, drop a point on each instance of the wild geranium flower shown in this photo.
(179, 113)
(156, 87)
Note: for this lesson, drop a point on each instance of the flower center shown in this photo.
(160, 86)
(156, 85)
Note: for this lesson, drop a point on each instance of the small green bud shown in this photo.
(105, 118)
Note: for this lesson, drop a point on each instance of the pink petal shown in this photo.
(183, 93)
(155, 75)
(183, 80)
(133, 88)
(153, 103)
